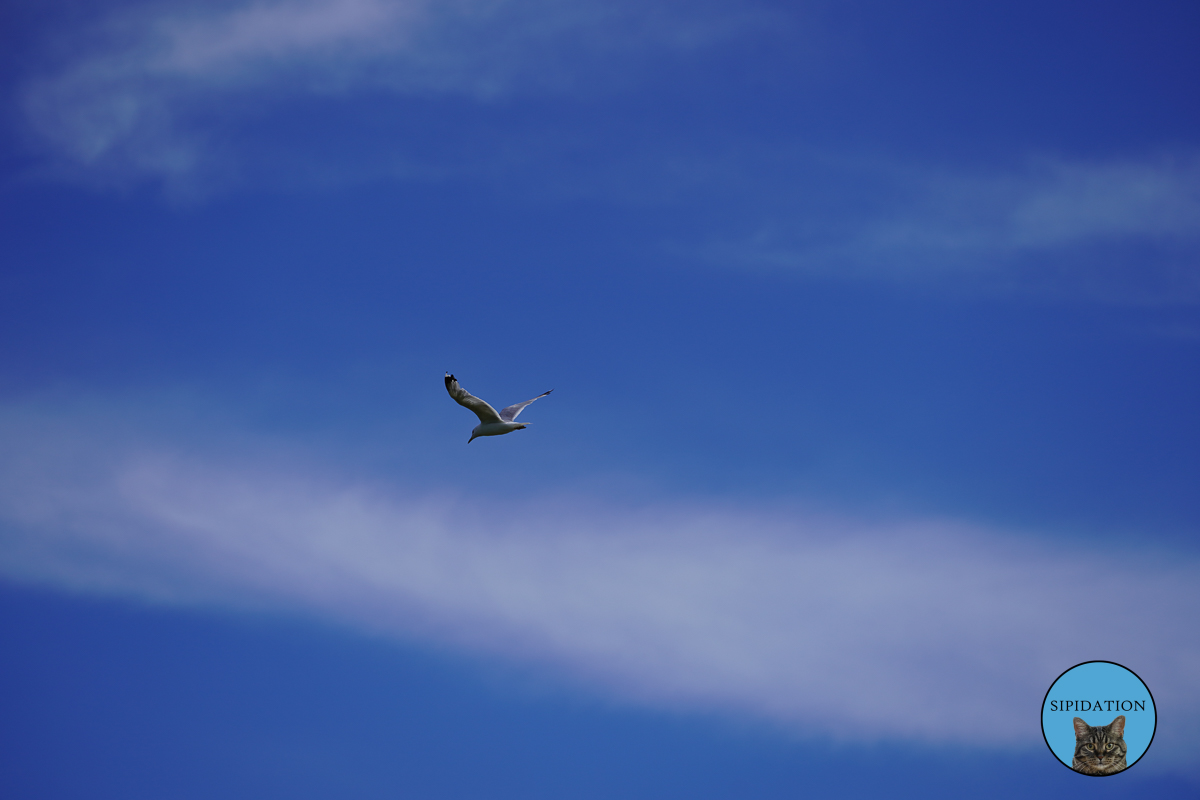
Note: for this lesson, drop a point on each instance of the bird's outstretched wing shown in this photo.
(509, 413)
(464, 398)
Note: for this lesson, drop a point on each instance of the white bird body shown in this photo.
(495, 428)
(491, 422)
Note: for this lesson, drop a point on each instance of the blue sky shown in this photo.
(874, 332)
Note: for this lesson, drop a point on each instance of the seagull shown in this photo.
(490, 423)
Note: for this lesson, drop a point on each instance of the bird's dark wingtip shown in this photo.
(449, 378)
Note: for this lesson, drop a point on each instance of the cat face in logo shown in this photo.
(1099, 750)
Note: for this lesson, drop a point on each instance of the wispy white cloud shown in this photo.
(148, 88)
(1069, 202)
(1053, 224)
(226, 42)
(962, 221)
(857, 629)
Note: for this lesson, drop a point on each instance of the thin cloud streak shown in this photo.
(1053, 204)
(141, 101)
(861, 630)
(149, 93)
(1053, 226)
(224, 43)
(1113, 200)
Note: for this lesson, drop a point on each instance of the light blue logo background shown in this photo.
(1098, 680)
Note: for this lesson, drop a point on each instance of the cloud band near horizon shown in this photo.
(858, 630)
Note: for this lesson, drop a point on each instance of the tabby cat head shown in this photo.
(1099, 750)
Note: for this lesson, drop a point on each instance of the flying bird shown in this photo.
(490, 422)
